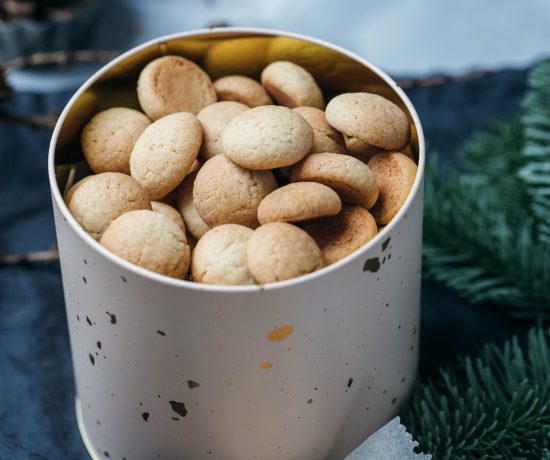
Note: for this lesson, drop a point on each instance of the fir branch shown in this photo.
(536, 123)
(482, 245)
(495, 406)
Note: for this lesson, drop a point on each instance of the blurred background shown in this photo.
(465, 66)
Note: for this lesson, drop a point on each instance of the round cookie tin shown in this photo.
(303, 369)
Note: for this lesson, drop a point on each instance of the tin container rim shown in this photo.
(387, 230)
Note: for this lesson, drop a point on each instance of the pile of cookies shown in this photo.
(236, 182)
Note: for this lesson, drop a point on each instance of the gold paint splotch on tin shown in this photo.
(266, 365)
(281, 333)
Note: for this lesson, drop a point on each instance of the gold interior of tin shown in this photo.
(219, 54)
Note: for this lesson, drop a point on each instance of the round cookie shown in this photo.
(186, 207)
(108, 139)
(171, 213)
(349, 177)
(370, 118)
(214, 118)
(267, 137)
(164, 153)
(325, 137)
(220, 256)
(395, 174)
(150, 240)
(98, 200)
(172, 84)
(340, 235)
(299, 202)
(225, 193)
(279, 251)
(242, 89)
(291, 85)
(360, 149)
(70, 192)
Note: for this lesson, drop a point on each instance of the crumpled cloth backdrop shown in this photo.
(37, 416)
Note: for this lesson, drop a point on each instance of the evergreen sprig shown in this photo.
(495, 406)
(487, 229)
(536, 125)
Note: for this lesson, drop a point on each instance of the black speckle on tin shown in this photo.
(385, 244)
(124, 280)
(113, 317)
(145, 416)
(178, 408)
(393, 401)
(85, 261)
(161, 332)
(92, 359)
(372, 265)
(89, 321)
(192, 384)
(77, 318)
(175, 418)
(350, 381)
(84, 279)
(99, 344)
(106, 454)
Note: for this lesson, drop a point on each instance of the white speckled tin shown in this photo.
(172, 369)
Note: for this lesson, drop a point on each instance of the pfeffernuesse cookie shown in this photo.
(299, 202)
(349, 177)
(395, 174)
(151, 240)
(325, 137)
(360, 149)
(214, 118)
(173, 84)
(108, 139)
(226, 193)
(220, 256)
(279, 251)
(98, 200)
(370, 118)
(164, 153)
(267, 137)
(340, 235)
(171, 213)
(186, 207)
(291, 85)
(242, 89)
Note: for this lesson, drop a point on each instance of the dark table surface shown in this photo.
(37, 417)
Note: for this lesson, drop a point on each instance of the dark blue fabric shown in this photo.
(37, 418)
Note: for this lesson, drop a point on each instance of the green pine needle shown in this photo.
(536, 124)
(496, 406)
(487, 229)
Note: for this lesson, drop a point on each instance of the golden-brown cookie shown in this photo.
(151, 240)
(220, 256)
(108, 139)
(370, 118)
(242, 89)
(164, 153)
(225, 193)
(349, 177)
(291, 85)
(340, 235)
(186, 207)
(279, 251)
(267, 137)
(299, 202)
(395, 174)
(360, 149)
(214, 118)
(325, 137)
(172, 84)
(98, 200)
(171, 213)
